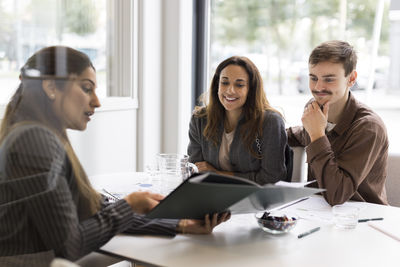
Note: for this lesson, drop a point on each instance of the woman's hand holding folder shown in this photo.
(143, 202)
(206, 226)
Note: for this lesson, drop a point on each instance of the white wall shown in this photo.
(127, 139)
(165, 78)
(150, 76)
(177, 62)
(109, 143)
(394, 70)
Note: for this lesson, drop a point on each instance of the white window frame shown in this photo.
(122, 52)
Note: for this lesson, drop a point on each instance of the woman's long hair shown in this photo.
(253, 109)
(30, 104)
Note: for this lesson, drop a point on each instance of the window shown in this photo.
(102, 29)
(278, 37)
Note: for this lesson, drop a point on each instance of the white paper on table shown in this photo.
(289, 184)
(317, 209)
(154, 184)
(122, 189)
(389, 228)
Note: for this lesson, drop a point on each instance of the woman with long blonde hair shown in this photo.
(47, 206)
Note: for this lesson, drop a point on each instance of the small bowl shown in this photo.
(276, 223)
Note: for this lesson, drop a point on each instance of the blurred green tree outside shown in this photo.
(289, 29)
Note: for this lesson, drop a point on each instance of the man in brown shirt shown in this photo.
(346, 142)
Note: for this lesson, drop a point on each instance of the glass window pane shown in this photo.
(278, 37)
(28, 25)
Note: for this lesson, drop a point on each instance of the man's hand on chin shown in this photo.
(315, 119)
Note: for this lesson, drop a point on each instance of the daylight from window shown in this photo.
(278, 37)
(28, 25)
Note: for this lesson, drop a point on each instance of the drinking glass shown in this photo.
(346, 217)
(173, 169)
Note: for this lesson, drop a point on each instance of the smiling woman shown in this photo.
(238, 132)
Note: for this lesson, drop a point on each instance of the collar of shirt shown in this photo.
(330, 126)
(347, 116)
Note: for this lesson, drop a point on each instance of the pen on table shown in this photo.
(371, 219)
(308, 232)
(114, 197)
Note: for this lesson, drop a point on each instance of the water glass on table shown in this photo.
(345, 217)
(173, 170)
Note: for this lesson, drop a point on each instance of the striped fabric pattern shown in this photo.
(38, 204)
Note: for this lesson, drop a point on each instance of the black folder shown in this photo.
(210, 193)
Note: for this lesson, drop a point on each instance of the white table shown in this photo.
(240, 242)
(127, 182)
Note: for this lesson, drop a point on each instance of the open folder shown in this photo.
(210, 193)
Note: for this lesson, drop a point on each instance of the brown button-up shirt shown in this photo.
(350, 161)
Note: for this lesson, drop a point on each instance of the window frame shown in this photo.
(200, 45)
(122, 55)
(122, 52)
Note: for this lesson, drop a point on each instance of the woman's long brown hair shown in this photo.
(253, 109)
(30, 104)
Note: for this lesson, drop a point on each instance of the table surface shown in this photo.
(241, 242)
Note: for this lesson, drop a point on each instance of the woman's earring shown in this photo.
(52, 96)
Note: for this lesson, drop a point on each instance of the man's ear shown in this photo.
(49, 87)
(352, 78)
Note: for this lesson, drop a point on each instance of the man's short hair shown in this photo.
(335, 52)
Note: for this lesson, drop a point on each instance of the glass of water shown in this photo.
(173, 170)
(345, 217)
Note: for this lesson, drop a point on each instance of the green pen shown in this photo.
(308, 232)
(371, 219)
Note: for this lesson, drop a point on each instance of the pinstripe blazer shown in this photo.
(273, 144)
(39, 200)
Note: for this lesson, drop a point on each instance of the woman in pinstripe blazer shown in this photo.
(47, 205)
